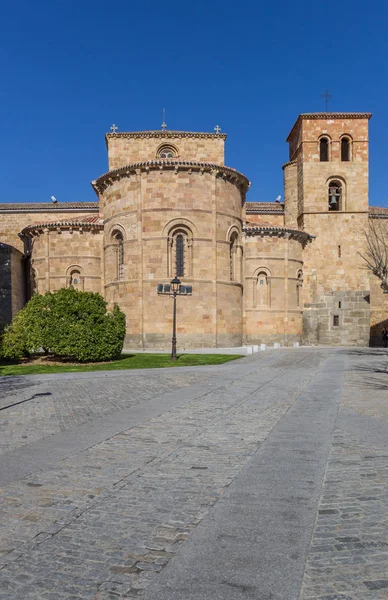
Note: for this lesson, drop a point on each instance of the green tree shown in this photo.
(68, 324)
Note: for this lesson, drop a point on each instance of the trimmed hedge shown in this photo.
(68, 324)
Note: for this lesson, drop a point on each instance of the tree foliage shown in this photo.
(376, 254)
(67, 323)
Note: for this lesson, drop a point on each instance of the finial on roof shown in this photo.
(114, 128)
(164, 124)
(326, 96)
(217, 129)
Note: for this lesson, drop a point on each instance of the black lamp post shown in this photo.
(175, 283)
(173, 289)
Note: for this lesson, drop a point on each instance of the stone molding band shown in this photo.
(103, 182)
(289, 164)
(165, 135)
(36, 229)
(294, 234)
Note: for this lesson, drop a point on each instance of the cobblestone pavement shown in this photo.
(44, 406)
(112, 518)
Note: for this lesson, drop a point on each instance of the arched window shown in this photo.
(179, 246)
(299, 283)
(335, 195)
(345, 149)
(324, 149)
(262, 289)
(74, 277)
(167, 151)
(233, 240)
(180, 255)
(118, 240)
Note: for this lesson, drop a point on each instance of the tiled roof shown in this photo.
(93, 222)
(49, 206)
(264, 207)
(378, 211)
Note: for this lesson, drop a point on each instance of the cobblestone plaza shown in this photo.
(265, 478)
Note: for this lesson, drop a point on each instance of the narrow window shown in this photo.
(262, 298)
(345, 149)
(120, 254)
(324, 150)
(339, 251)
(339, 304)
(180, 255)
(232, 256)
(75, 278)
(335, 195)
(299, 284)
(336, 321)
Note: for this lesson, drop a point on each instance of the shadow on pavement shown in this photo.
(12, 385)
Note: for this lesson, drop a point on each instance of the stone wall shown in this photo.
(14, 219)
(333, 270)
(12, 284)
(148, 207)
(273, 294)
(58, 253)
(135, 147)
(379, 311)
(340, 318)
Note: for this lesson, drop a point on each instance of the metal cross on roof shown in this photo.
(217, 129)
(164, 124)
(114, 128)
(326, 96)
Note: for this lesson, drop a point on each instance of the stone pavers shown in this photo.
(349, 552)
(121, 511)
(122, 508)
(59, 403)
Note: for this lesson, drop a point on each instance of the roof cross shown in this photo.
(114, 128)
(326, 96)
(217, 129)
(164, 124)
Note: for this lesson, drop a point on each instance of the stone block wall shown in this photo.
(340, 318)
(56, 253)
(14, 220)
(148, 206)
(273, 295)
(135, 147)
(12, 284)
(379, 311)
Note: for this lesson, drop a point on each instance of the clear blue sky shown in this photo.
(71, 69)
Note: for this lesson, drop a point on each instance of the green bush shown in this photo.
(69, 324)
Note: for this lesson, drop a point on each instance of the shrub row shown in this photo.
(68, 324)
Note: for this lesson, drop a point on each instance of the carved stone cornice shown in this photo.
(165, 135)
(284, 232)
(335, 115)
(76, 223)
(103, 182)
(289, 163)
(326, 116)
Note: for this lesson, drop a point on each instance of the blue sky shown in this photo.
(71, 69)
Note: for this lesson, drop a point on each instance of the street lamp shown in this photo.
(173, 289)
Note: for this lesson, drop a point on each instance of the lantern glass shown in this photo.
(175, 283)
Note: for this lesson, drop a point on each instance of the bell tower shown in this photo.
(326, 194)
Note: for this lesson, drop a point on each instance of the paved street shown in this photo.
(265, 478)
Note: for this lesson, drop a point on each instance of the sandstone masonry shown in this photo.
(261, 272)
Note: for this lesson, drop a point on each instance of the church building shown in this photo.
(261, 272)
